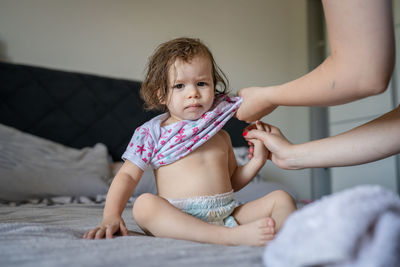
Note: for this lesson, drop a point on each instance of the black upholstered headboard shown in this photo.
(76, 109)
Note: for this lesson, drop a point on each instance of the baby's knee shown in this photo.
(143, 207)
(282, 197)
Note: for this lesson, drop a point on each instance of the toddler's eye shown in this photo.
(201, 84)
(178, 86)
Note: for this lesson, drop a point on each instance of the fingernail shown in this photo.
(244, 133)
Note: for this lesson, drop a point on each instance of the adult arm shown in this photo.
(360, 64)
(369, 142)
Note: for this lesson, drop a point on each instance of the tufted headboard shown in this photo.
(76, 109)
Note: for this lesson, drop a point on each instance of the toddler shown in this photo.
(193, 160)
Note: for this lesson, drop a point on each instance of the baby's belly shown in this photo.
(194, 175)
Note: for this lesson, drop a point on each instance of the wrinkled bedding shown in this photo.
(358, 227)
(78, 110)
(50, 235)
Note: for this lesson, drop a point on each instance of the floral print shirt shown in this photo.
(156, 145)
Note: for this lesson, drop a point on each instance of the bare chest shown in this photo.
(205, 169)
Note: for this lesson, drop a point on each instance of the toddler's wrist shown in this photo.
(258, 161)
(111, 216)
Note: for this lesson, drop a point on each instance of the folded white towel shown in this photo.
(356, 227)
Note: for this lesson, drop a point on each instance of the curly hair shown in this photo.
(154, 88)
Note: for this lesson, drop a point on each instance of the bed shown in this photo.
(60, 132)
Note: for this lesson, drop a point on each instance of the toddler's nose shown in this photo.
(193, 92)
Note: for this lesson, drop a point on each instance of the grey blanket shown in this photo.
(41, 235)
(358, 227)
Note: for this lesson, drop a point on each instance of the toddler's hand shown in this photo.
(107, 229)
(279, 148)
(256, 147)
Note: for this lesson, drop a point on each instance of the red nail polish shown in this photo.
(244, 133)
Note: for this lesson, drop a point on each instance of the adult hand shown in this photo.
(279, 147)
(257, 149)
(107, 229)
(255, 104)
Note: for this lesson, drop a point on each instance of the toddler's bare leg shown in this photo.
(156, 216)
(277, 205)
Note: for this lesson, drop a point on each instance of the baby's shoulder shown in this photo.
(152, 125)
(225, 136)
(223, 133)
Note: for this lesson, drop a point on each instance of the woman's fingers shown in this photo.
(260, 126)
(261, 129)
(263, 126)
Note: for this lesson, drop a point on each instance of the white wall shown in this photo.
(255, 42)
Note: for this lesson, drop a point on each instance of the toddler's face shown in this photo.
(190, 89)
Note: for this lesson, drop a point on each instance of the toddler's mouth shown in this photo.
(193, 106)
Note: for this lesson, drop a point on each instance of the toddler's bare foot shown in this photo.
(257, 233)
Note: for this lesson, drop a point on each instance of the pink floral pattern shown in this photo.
(158, 146)
(141, 149)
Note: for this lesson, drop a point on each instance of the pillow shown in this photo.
(32, 167)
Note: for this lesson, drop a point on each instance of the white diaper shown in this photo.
(216, 209)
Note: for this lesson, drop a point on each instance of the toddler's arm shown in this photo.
(242, 175)
(118, 195)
